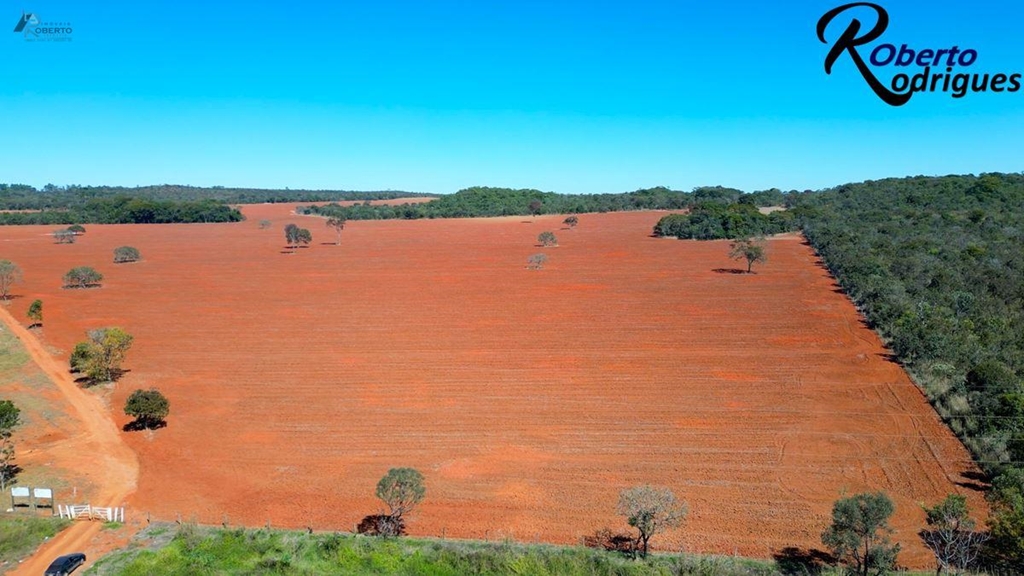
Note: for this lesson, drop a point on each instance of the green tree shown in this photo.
(64, 237)
(535, 207)
(35, 313)
(10, 273)
(291, 235)
(82, 277)
(1006, 522)
(859, 534)
(303, 236)
(401, 489)
(571, 222)
(536, 262)
(149, 408)
(547, 239)
(338, 224)
(10, 418)
(650, 509)
(751, 250)
(951, 535)
(107, 348)
(124, 254)
(76, 229)
(79, 356)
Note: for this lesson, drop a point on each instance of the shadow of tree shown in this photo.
(140, 424)
(800, 562)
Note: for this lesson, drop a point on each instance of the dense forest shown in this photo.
(126, 210)
(22, 197)
(484, 201)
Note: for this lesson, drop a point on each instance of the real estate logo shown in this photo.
(957, 80)
(35, 31)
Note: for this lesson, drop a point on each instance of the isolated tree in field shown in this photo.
(124, 254)
(401, 489)
(10, 418)
(535, 207)
(77, 229)
(291, 235)
(751, 250)
(35, 313)
(149, 408)
(303, 236)
(859, 534)
(547, 239)
(82, 277)
(64, 237)
(337, 224)
(104, 353)
(571, 222)
(536, 262)
(10, 274)
(951, 535)
(264, 224)
(650, 509)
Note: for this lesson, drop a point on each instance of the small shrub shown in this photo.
(64, 237)
(536, 262)
(264, 224)
(547, 239)
(126, 254)
(76, 229)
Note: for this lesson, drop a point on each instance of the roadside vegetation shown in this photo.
(198, 550)
(122, 210)
(22, 534)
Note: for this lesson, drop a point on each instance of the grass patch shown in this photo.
(21, 535)
(112, 525)
(200, 550)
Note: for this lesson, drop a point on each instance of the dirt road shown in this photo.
(111, 456)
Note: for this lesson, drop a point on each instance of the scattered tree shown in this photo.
(547, 239)
(536, 262)
(381, 525)
(82, 277)
(126, 254)
(951, 535)
(264, 224)
(338, 224)
(294, 236)
(149, 408)
(76, 229)
(650, 509)
(571, 222)
(401, 489)
(10, 273)
(64, 237)
(10, 418)
(859, 534)
(101, 357)
(35, 313)
(751, 250)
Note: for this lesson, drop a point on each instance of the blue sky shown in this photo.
(436, 96)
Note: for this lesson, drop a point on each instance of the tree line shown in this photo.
(128, 210)
(24, 197)
(483, 201)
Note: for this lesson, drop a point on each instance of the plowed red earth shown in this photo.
(528, 399)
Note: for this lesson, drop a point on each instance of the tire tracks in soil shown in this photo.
(116, 463)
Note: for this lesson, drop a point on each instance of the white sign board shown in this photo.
(42, 493)
(19, 492)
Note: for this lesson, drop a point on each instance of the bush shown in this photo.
(82, 277)
(64, 237)
(126, 254)
(547, 239)
(77, 229)
(79, 356)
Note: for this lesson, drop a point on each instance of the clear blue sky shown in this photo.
(432, 96)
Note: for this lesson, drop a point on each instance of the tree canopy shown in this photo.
(149, 408)
(650, 510)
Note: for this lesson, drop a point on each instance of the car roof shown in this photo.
(59, 559)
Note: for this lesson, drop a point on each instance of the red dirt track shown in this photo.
(528, 399)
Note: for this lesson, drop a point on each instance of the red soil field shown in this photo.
(528, 399)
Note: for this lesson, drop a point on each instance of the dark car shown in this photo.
(66, 564)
